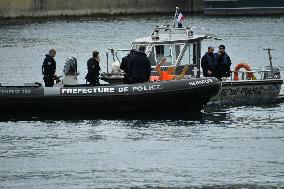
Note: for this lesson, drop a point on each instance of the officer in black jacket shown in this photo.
(125, 64)
(209, 62)
(223, 68)
(140, 67)
(49, 68)
(93, 69)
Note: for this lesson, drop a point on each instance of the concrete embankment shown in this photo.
(43, 8)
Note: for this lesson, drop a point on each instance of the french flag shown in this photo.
(179, 17)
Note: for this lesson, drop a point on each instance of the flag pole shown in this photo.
(174, 23)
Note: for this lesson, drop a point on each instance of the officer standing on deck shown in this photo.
(209, 62)
(224, 63)
(140, 67)
(125, 64)
(94, 68)
(49, 68)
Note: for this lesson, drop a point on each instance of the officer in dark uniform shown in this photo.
(125, 64)
(49, 68)
(139, 67)
(93, 69)
(223, 68)
(209, 62)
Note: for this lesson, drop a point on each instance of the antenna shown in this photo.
(270, 58)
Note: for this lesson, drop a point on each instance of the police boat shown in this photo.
(187, 95)
(182, 48)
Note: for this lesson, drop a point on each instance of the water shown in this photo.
(241, 147)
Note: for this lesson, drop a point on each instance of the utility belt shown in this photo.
(50, 78)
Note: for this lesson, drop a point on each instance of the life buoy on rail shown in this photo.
(245, 66)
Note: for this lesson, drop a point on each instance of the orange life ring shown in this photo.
(245, 66)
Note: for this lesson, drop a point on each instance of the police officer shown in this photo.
(93, 69)
(209, 62)
(125, 64)
(139, 67)
(224, 63)
(49, 68)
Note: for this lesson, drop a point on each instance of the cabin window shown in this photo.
(193, 53)
(184, 58)
(189, 55)
(164, 51)
(170, 52)
(176, 50)
(183, 54)
(151, 56)
(159, 49)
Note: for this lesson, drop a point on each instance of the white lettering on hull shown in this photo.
(200, 82)
(147, 88)
(87, 90)
(109, 90)
(15, 91)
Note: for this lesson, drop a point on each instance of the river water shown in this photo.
(229, 147)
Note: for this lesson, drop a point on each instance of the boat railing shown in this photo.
(115, 59)
(186, 31)
(266, 74)
(167, 29)
(25, 85)
(257, 73)
(243, 74)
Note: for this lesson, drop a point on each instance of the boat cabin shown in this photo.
(178, 45)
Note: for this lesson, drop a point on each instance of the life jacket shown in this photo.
(209, 59)
(164, 76)
(224, 59)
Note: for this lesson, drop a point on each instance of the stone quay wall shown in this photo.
(46, 8)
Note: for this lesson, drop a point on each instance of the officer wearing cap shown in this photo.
(209, 62)
(125, 65)
(224, 63)
(49, 68)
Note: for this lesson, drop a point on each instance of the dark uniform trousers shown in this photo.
(93, 72)
(48, 70)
